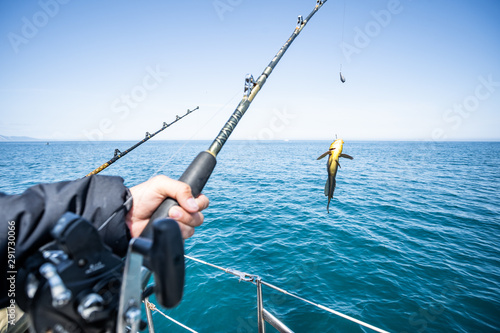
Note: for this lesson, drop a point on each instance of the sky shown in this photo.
(113, 70)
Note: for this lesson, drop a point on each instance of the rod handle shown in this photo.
(196, 176)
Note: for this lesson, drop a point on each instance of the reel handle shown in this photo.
(196, 176)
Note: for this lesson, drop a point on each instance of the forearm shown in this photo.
(36, 211)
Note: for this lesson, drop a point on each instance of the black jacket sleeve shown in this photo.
(28, 218)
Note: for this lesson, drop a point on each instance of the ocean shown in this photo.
(411, 243)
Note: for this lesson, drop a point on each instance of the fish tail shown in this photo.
(330, 184)
(329, 189)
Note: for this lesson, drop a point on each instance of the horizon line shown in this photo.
(259, 140)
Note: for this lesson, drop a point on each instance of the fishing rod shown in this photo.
(119, 154)
(200, 169)
(73, 286)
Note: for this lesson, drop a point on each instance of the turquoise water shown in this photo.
(410, 244)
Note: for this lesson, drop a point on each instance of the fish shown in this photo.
(342, 78)
(332, 166)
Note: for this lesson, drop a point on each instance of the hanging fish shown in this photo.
(332, 165)
(342, 78)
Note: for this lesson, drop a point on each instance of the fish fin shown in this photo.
(346, 156)
(338, 163)
(323, 155)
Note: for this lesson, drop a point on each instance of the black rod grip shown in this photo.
(167, 261)
(196, 176)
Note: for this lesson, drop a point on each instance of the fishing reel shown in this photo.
(76, 283)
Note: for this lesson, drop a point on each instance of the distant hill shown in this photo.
(4, 138)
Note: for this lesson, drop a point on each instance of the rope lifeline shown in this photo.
(326, 309)
(250, 278)
(153, 307)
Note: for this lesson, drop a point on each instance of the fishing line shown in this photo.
(200, 169)
(342, 78)
(158, 170)
(123, 206)
(172, 156)
(343, 22)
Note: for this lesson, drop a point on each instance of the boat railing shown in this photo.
(262, 314)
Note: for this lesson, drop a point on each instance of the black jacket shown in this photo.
(29, 217)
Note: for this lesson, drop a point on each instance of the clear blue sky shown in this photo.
(415, 69)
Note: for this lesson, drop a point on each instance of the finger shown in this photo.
(202, 202)
(136, 227)
(190, 219)
(186, 230)
(177, 190)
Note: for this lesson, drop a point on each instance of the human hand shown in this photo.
(149, 195)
